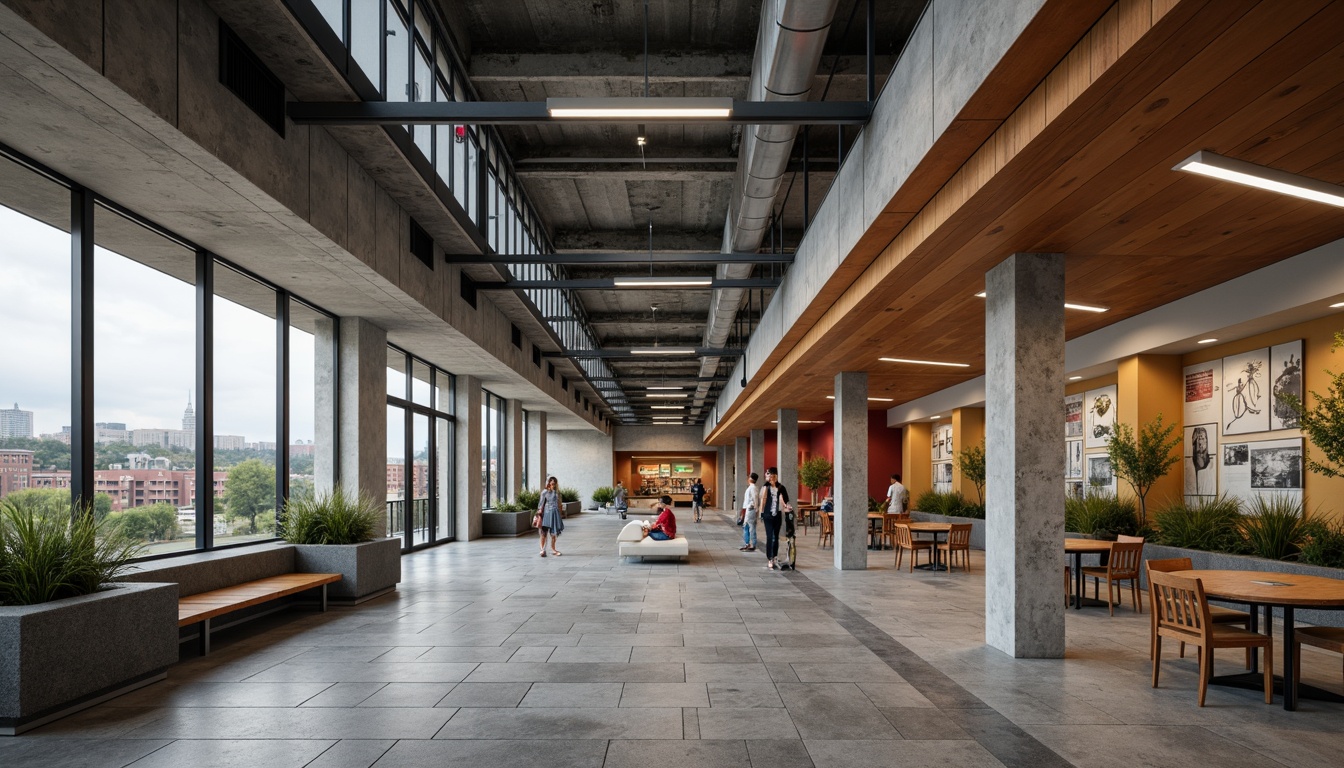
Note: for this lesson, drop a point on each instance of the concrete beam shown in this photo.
(665, 68)
(638, 239)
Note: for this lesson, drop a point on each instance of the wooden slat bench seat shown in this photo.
(200, 608)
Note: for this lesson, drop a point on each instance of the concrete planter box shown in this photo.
(1218, 561)
(60, 657)
(367, 570)
(977, 525)
(571, 508)
(507, 523)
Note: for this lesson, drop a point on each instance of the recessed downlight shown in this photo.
(1075, 378)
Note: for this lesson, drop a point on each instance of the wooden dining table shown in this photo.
(936, 529)
(1268, 590)
(1078, 548)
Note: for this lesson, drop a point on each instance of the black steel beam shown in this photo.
(663, 379)
(627, 353)
(621, 257)
(599, 283)
(82, 435)
(534, 112)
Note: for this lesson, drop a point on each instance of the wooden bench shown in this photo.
(200, 608)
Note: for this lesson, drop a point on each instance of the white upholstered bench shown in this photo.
(633, 543)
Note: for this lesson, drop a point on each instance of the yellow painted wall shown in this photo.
(968, 429)
(1324, 496)
(916, 448)
(1149, 385)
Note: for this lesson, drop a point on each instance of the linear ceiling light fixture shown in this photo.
(871, 399)
(668, 407)
(639, 108)
(662, 351)
(1259, 176)
(800, 421)
(662, 282)
(1337, 306)
(651, 389)
(1069, 305)
(923, 362)
(668, 394)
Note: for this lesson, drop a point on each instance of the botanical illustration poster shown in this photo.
(1264, 468)
(942, 443)
(1204, 392)
(1246, 393)
(1099, 406)
(942, 477)
(1200, 460)
(1285, 378)
(1100, 477)
(1073, 416)
(1073, 461)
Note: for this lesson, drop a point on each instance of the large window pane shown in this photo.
(396, 470)
(244, 396)
(396, 373)
(144, 359)
(421, 502)
(443, 455)
(398, 56)
(35, 343)
(334, 12)
(420, 384)
(366, 37)
(308, 328)
(422, 91)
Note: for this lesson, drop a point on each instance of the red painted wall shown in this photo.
(884, 450)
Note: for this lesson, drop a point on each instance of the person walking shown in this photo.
(898, 498)
(697, 498)
(622, 501)
(552, 522)
(749, 516)
(774, 502)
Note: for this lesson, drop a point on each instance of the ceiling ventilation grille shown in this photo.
(243, 73)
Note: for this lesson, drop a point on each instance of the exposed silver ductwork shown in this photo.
(788, 51)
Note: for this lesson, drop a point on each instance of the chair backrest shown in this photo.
(1179, 604)
(1170, 564)
(827, 522)
(903, 539)
(1129, 539)
(889, 521)
(903, 517)
(959, 537)
(1125, 559)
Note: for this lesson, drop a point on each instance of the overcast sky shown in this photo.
(144, 358)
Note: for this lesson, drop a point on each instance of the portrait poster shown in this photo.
(1203, 392)
(1100, 477)
(1073, 416)
(1200, 460)
(1285, 378)
(1246, 395)
(1099, 407)
(1263, 468)
(1073, 460)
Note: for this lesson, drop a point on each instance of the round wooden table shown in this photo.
(1270, 590)
(936, 529)
(1078, 548)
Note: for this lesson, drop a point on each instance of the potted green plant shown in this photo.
(569, 502)
(508, 518)
(815, 474)
(604, 495)
(70, 635)
(333, 532)
(1143, 458)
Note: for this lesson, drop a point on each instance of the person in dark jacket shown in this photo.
(697, 498)
(773, 503)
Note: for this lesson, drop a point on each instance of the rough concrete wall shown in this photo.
(655, 438)
(581, 459)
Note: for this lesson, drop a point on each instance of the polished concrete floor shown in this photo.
(490, 656)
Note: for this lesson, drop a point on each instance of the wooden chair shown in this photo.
(827, 529)
(1123, 565)
(1182, 612)
(1068, 588)
(1218, 614)
(904, 541)
(958, 540)
(1329, 638)
(889, 521)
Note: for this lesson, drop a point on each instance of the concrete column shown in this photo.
(536, 450)
(326, 438)
(851, 471)
(786, 457)
(470, 491)
(723, 495)
(352, 447)
(1024, 520)
(758, 464)
(513, 437)
(740, 471)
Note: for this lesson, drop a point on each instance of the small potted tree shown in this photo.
(971, 462)
(69, 635)
(815, 474)
(334, 533)
(1143, 458)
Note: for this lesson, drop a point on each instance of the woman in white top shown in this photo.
(749, 519)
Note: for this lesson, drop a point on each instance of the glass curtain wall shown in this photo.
(163, 311)
(419, 450)
(494, 452)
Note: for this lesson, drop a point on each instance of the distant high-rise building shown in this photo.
(189, 417)
(16, 423)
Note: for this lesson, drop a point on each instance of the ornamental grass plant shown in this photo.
(569, 495)
(1104, 515)
(529, 499)
(336, 517)
(1211, 524)
(946, 503)
(46, 555)
(1273, 526)
(1322, 543)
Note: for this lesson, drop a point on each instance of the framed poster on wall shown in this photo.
(1100, 476)
(1203, 392)
(1073, 416)
(1263, 468)
(1099, 406)
(1200, 460)
(1246, 394)
(1285, 378)
(1073, 460)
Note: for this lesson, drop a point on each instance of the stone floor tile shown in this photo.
(408, 695)
(591, 654)
(221, 695)
(1130, 745)
(574, 695)
(29, 751)
(228, 753)
(893, 695)
(899, 754)
(343, 695)
(457, 654)
(315, 723)
(409, 672)
(779, 754)
(923, 723)
(833, 711)
(531, 653)
(678, 754)
(726, 673)
(494, 753)
(664, 695)
(759, 723)
(550, 672)
(352, 753)
(743, 695)
(564, 723)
